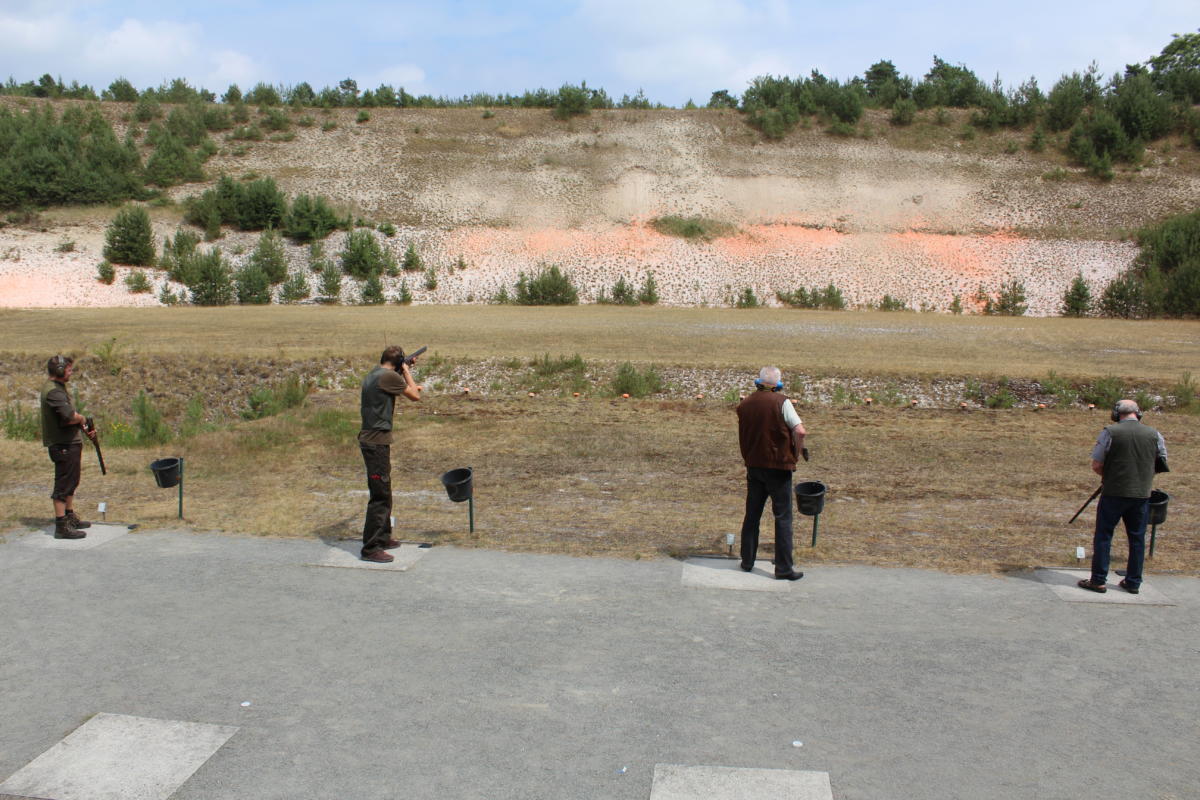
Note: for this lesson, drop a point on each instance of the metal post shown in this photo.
(181, 488)
(471, 510)
(816, 517)
(1153, 533)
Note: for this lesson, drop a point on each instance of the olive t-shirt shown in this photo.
(57, 413)
(394, 384)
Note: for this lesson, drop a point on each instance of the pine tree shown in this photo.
(372, 291)
(129, 239)
(1077, 300)
(269, 257)
(212, 281)
(331, 283)
(294, 289)
(253, 286)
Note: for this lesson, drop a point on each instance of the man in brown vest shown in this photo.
(1126, 456)
(391, 379)
(62, 428)
(771, 436)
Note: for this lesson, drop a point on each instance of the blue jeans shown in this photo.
(761, 484)
(1111, 510)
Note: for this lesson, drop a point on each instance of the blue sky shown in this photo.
(673, 49)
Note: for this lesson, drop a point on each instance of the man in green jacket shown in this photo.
(61, 427)
(391, 379)
(1124, 458)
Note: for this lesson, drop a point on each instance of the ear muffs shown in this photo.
(57, 366)
(1116, 415)
(777, 387)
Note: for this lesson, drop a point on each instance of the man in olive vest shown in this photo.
(61, 427)
(771, 436)
(1124, 457)
(391, 379)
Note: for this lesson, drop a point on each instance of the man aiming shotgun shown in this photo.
(391, 379)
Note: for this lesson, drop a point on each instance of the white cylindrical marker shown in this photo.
(729, 539)
(1079, 553)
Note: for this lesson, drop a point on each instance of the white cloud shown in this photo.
(410, 76)
(143, 48)
(230, 66)
(34, 36)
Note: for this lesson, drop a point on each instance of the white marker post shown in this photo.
(103, 508)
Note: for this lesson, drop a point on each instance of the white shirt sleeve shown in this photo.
(790, 417)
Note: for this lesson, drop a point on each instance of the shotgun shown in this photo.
(89, 425)
(1086, 504)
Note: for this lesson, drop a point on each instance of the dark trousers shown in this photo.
(1111, 510)
(377, 528)
(761, 484)
(66, 458)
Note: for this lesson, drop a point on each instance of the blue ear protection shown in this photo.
(777, 387)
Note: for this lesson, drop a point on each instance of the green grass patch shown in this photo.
(694, 228)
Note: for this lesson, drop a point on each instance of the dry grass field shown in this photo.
(932, 486)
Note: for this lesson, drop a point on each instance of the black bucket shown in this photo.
(458, 484)
(167, 472)
(1158, 507)
(810, 497)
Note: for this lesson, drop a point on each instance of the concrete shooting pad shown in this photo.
(726, 573)
(1063, 583)
(678, 782)
(100, 533)
(347, 554)
(118, 757)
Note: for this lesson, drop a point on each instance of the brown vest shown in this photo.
(765, 438)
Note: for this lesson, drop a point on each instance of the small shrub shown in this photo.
(137, 282)
(253, 285)
(1003, 397)
(889, 303)
(362, 255)
(1184, 393)
(431, 281)
(630, 381)
(747, 299)
(247, 133)
(904, 111)
(387, 229)
(404, 296)
(648, 294)
(105, 273)
(128, 239)
(21, 425)
(211, 281)
(269, 257)
(622, 294)
(266, 401)
(331, 283)
(1011, 300)
(109, 354)
(692, 227)
(166, 296)
(550, 287)
(328, 125)
(312, 218)
(956, 306)
(294, 289)
(1061, 389)
(65, 246)
(307, 121)
(372, 291)
(362, 117)
(1077, 299)
(412, 260)
(149, 426)
(1104, 392)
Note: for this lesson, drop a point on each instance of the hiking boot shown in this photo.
(1093, 586)
(63, 529)
(379, 557)
(391, 544)
(76, 522)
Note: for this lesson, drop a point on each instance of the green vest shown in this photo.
(377, 405)
(53, 431)
(1129, 463)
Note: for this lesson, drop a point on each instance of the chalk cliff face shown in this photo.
(922, 213)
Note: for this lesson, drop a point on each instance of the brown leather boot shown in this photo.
(76, 522)
(63, 529)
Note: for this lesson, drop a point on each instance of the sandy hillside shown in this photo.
(922, 213)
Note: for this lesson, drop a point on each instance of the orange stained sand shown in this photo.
(760, 240)
(956, 253)
(550, 244)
